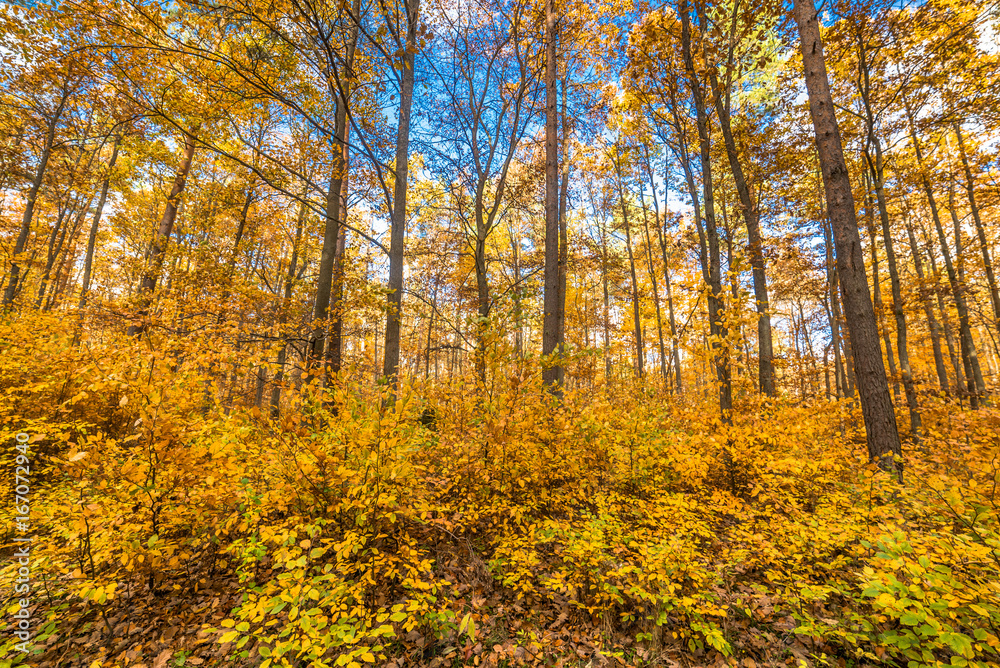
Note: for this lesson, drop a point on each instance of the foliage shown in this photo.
(350, 534)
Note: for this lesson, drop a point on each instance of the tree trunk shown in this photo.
(878, 179)
(716, 315)
(335, 348)
(751, 217)
(932, 323)
(88, 263)
(158, 247)
(636, 319)
(394, 311)
(607, 304)
(954, 353)
(552, 299)
(563, 232)
(286, 304)
(834, 289)
(29, 207)
(970, 191)
(876, 401)
(652, 278)
(662, 239)
(877, 289)
(331, 235)
(977, 372)
(483, 299)
(969, 359)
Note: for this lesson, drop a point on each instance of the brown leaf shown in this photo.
(161, 659)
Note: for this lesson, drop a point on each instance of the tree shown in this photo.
(873, 388)
(551, 335)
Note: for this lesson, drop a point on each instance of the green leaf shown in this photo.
(468, 626)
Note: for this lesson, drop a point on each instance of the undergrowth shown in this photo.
(619, 524)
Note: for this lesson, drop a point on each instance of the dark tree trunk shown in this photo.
(977, 372)
(970, 191)
(158, 247)
(320, 344)
(954, 352)
(932, 323)
(969, 358)
(285, 306)
(751, 216)
(652, 278)
(563, 233)
(394, 313)
(873, 387)
(878, 180)
(636, 319)
(14, 277)
(552, 299)
(88, 262)
(833, 286)
(877, 289)
(716, 314)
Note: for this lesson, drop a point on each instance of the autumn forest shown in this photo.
(500, 333)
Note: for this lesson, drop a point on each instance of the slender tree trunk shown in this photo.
(878, 180)
(335, 347)
(88, 263)
(652, 278)
(636, 319)
(834, 289)
(674, 342)
(977, 372)
(552, 299)
(55, 241)
(331, 235)
(240, 230)
(158, 247)
(607, 305)
(716, 314)
(285, 306)
(751, 217)
(70, 232)
(970, 190)
(876, 401)
(394, 311)
(954, 352)
(932, 323)
(14, 278)
(483, 294)
(517, 293)
(662, 238)
(877, 289)
(430, 330)
(969, 358)
(563, 232)
(734, 288)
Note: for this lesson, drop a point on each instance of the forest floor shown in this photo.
(622, 526)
